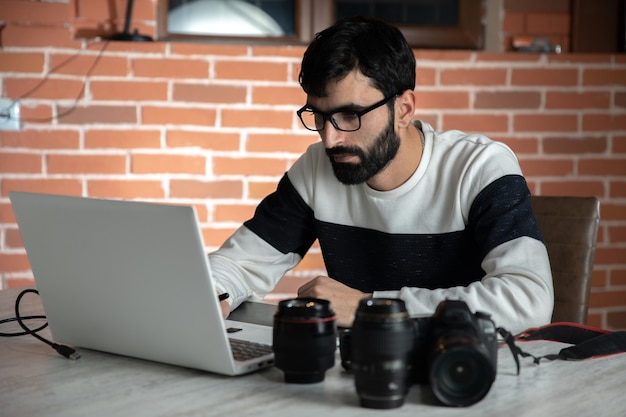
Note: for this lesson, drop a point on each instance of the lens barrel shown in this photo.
(382, 344)
(304, 339)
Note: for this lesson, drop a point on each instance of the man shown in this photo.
(399, 210)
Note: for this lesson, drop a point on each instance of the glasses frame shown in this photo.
(329, 116)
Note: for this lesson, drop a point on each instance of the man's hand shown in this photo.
(224, 306)
(344, 299)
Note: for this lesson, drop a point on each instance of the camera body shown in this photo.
(454, 350)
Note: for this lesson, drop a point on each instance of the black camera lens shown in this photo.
(382, 346)
(345, 348)
(461, 375)
(304, 339)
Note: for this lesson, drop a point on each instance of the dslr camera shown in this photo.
(454, 351)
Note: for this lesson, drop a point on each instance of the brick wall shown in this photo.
(214, 125)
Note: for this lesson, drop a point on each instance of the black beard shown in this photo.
(379, 154)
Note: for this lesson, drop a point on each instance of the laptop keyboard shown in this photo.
(245, 350)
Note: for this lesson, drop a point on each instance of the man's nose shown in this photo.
(330, 135)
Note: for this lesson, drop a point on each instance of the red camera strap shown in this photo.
(588, 342)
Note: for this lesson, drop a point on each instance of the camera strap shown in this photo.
(588, 342)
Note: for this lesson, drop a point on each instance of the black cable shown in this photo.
(66, 351)
(5, 113)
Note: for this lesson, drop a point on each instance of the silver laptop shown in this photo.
(131, 278)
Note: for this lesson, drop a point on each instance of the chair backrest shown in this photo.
(570, 228)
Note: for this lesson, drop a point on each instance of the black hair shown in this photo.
(376, 48)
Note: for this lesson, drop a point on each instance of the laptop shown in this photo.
(131, 278)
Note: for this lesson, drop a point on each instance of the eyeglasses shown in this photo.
(344, 120)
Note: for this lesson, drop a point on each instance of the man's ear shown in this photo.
(405, 108)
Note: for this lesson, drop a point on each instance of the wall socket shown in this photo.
(9, 114)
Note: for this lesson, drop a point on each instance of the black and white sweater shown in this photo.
(460, 227)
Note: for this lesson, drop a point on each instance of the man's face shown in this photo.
(357, 156)
(370, 159)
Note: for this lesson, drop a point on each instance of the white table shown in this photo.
(36, 381)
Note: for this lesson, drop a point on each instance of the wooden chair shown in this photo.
(570, 227)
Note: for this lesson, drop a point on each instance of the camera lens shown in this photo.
(461, 375)
(382, 346)
(304, 339)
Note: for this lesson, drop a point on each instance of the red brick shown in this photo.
(214, 237)
(278, 95)
(41, 185)
(604, 77)
(13, 239)
(425, 76)
(546, 167)
(617, 189)
(218, 141)
(23, 62)
(619, 144)
(125, 189)
(573, 188)
(157, 48)
(14, 262)
(613, 211)
(237, 213)
(36, 13)
(547, 23)
(602, 166)
(481, 123)
(20, 162)
(122, 139)
(545, 123)
(473, 76)
(208, 49)
(606, 298)
(251, 70)
(536, 6)
(257, 190)
(36, 113)
(618, 277)
(129, 90)
(50, 89)
(94, 65)
(617, 234)
(508, 57)
(422, 55)
(28, 36)
(311, 261)
(507, 100)
(257, 118)
(280, 143)
(291, 51)
(86, 164)
(616, 320)
(514, 23)
(579, 58)
(604, 122)
(521, 145)
(230, 189)
(171, 68)
(89, 114)
(185, 92)
(167, 163)
(40, 139)
(620, 99)
(577, 100)
(442, 99)
(249, 166)
(574, 145)
(545, 77)
(153, 115)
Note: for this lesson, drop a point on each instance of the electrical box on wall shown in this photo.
(9, 114)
